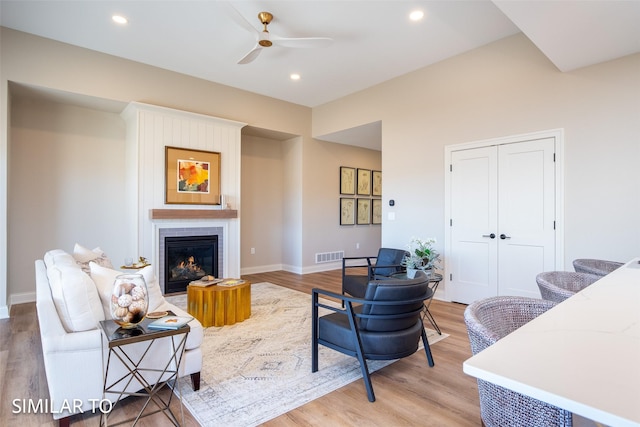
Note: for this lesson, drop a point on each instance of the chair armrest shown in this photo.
(373, 267)
(367, 258)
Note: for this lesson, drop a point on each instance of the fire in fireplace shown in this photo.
(189, 258)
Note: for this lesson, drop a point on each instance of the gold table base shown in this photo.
(219, 305)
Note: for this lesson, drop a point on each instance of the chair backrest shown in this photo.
(389, 256)
(488, 321)
(491, 319)
(407, 296)
(559, 285)
(598, 267)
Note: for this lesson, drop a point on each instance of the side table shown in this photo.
(118, 341)
(219, 305)
(434, 281)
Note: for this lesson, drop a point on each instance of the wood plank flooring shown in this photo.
(408, 392)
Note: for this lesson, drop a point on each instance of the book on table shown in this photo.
(170, 322)
(205, 281)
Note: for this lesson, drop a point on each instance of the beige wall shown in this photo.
(66, 185)
(275, 184)
(502, 89)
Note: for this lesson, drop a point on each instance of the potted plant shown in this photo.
(422, 256)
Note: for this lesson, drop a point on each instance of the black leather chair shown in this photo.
(384, 325)
(387, 262)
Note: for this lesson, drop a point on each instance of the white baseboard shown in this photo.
(261, 269)
(22, 298)
(4, 312)
(292, 268)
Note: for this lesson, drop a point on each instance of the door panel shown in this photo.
(473, 202)
(526, 211)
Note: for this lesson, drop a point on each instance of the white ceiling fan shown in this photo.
(265, 39)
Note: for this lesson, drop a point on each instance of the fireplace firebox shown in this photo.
(187, 259)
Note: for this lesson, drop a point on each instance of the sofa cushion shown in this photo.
(104, 278)
(84, 256)
(74, 295)
(58, 257)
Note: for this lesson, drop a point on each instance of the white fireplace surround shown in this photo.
(188, 228)
(150, 129)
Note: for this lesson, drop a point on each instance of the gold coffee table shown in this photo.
(219, 305)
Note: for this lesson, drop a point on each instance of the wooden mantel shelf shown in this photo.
(193, 213)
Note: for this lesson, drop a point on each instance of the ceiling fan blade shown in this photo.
(253, 54)
(303, 42)
(239, 19)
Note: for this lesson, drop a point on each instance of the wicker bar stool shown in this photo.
(598, 267)
(559, 285)
(488, 321)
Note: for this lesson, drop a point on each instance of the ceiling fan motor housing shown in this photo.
(265, 18)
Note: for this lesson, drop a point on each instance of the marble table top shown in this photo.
(582, 355)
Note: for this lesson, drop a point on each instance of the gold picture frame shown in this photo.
(347, 211)
(192, 177)
(364, 182)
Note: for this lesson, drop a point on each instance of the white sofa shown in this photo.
(69, 308)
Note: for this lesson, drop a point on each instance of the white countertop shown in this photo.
(582, 355)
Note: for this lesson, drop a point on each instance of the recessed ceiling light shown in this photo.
(295, 76)
(416, 15)
(119, 19)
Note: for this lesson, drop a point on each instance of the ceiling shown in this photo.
(373, 41)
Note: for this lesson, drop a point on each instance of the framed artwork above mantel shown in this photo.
(192, 177)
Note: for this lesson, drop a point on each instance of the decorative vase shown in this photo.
(411, 272)
(129, 300)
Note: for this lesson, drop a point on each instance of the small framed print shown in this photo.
(364, 211)
(376, 211)
(347, 211)
(347, 180)
(364, 182)
(376, 183)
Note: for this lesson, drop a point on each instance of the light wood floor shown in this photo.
(408, 392)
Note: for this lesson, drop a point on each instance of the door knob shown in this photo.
(491, 236)
(504, 236)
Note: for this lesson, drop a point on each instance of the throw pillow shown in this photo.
(75, 297)
(84, 256)
(104, 278)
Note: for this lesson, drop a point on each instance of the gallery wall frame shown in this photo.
(347, 211)
(347, 180)
(364, 211)
(376, 183)
(192, 177)
(364, 182)
(376, 211)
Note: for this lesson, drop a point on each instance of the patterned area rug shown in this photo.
(258, 369)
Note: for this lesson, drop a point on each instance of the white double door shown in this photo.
(502, 219)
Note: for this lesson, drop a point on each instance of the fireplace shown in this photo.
(188, 258)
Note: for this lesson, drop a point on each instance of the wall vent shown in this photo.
(329, 256)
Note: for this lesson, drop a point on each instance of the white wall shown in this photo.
(508, 88)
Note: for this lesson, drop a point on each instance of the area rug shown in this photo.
(258, 369)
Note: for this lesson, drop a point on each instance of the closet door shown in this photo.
(502, 219)
(474, 203)
(526, 214)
